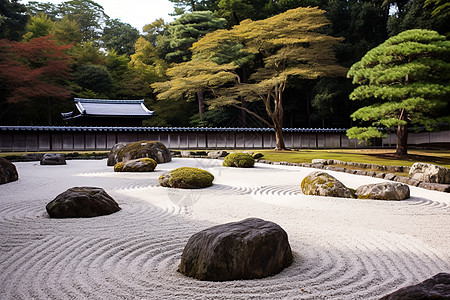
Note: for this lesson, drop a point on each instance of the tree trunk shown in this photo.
(279, 138)
(402, 135)
(277, 117)
(402, 140)
(201, 104)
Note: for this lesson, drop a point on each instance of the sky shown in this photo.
(137, 13)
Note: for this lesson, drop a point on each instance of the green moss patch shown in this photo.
(239, 160)
(187, 178)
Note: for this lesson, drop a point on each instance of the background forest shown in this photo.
(52, 53)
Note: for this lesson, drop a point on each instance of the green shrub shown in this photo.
(240, 160)
(187, 178)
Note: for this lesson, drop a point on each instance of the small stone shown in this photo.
(319, 161)
(435, 186)
(217, 154)
(53, 159)
(389, 176)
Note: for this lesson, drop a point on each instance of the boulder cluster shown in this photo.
(319, 183)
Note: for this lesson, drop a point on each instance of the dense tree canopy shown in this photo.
(284, 46)
(36, 70)
(219, 80)
(12, 19)
(408, 79)
(184, 31)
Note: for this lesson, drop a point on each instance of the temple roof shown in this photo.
(108, 108)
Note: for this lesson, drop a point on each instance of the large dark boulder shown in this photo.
(248, 249)
(383, 191)
(187, 178)
(8, 171)
(437, 287)
(53, 159)
(82, 202)
(151, 149)
(319, 183)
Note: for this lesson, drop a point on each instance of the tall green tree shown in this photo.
(13, 20)
(88, 14)
(285, 46)
(119, 36)
(407, 77)
(184, 31)
(38, 26)
(417, 15)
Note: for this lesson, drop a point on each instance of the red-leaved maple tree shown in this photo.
(37, 69)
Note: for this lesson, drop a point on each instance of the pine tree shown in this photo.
(407, 77)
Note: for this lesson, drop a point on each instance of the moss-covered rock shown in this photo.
(152, 149)
(186, 178)
(319, 183)
(136, 165)
(239, 160)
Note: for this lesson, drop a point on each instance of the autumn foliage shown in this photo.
(37, 69)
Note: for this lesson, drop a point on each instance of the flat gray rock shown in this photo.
(53, 159)
(248, 249)
(383, 191)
